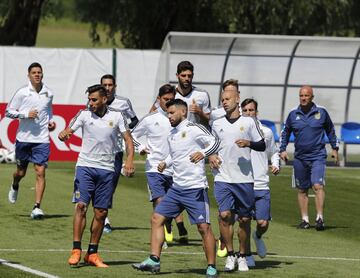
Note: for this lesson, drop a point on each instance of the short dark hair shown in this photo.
(166, 89)
(108, 76)
(232, 82)
(34, 65)
(248, 101)
(97, 88)
(183, 66)
(177, 102)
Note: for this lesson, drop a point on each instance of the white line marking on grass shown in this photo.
(27, 269)
(177, 253)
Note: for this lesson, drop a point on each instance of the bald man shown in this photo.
(309, 123)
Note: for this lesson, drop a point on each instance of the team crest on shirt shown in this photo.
(242, 128)
(183, 134)
(317, 116)
(111, 123)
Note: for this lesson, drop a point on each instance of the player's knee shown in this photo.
(100, 213)
(203, 228)
(157, 219)
(81, 208)
(244, 220)
(225, 216)
(262, 223)
(317, 187)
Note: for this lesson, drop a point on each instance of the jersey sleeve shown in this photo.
(78, 121)
(208, 141)
(255, 132)
(12, 109)
(139, 131)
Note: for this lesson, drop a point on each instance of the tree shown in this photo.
(144, 24)
(20, 22)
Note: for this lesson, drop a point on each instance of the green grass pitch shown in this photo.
(45, 245)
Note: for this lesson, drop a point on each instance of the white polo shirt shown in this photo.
(155, 127)
(184, 140)
(27, 99)
(201, 98)
(235, 164)
(99, 137)
(259, 160)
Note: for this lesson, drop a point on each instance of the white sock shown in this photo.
(306, 218)
(107, 221)
(319, 216)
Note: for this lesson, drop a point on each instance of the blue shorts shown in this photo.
(262, 205)
(236, 197)
(93, 184)
(158, 184)
(117, 173)
(194, 201)
(37, 153)
(307, 173)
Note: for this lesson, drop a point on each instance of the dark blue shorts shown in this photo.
(117, 173)
(236, 197)
(158, 185)
(262, 205)
(194, 201)
(307, 173)
(37, 153)
(93, 184)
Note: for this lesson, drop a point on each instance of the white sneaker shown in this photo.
(230, 264)
(37, 213)
(13, 195)
(250, 261)
(260, 246)
(242, 264)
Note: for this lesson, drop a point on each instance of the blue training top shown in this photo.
(309, 131)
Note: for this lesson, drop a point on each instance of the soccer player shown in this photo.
(259, 161)
(122, 104)
(95, 168)
(189, 144)
(197, 99)
(156, 127)
(32, 105)
(309, 122)
(233, 173)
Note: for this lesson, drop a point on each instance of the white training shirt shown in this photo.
(235, 164)
(25, 100)
(259, 160)
(201, 98)
(184, 140)
(122, 104)
(99, 137)
(155, 127)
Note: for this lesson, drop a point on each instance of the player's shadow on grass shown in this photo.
(199, 271)
(312, 227)
(263, 264)
(128, 228)
(47, 216)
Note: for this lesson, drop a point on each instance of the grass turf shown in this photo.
(45, 245)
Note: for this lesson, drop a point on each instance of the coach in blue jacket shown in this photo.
(309, 123)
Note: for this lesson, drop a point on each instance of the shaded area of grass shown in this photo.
(66, 32)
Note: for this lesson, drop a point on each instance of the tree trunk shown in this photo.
(21, 23)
